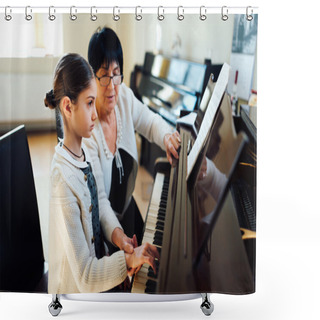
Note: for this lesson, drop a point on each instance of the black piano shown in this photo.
(170, 87)
(197, 231)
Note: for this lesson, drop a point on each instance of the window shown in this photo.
(38, 37)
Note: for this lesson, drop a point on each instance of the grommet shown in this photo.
(203, 12)
(160, 16)
(224, 13)
(28, 16)
(116, 17)
(93, 17)
(180, 15)
(73, 17)
(138, 16)
(7, 16)
(249, 16)
(52, 16)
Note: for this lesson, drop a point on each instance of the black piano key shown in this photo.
(158, 237)
(151, 274)
(151, 286)
(158, 234)
(161, 215)
(162, 205)
(157, 265)
(150, 270)
(160, 226)
(157, 241)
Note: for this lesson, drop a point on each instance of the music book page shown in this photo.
(209, 116)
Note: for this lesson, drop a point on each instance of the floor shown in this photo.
(41, 151)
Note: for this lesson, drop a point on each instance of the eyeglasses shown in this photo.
(105, 80)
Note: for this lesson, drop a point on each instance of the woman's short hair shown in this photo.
(72, 75)
(105, 47)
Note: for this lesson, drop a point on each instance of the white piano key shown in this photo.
(141, 278)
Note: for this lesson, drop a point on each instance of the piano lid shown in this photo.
(222, 150)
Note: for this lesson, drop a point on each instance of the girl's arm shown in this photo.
(70, 233)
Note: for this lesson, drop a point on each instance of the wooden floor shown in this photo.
(41, 151)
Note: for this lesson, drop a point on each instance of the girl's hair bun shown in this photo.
(49, 100)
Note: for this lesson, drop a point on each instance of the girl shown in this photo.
(80, 214)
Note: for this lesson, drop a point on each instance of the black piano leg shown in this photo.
(55, 306)
(207, 305)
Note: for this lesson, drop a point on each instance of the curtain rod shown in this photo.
(161, 11)
(130, 10)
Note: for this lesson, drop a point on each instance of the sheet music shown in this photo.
(209, 116)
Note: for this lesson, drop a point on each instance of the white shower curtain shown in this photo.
(31, 49)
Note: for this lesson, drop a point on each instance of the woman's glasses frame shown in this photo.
(105, 80)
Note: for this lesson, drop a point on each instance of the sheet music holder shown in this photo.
(193, 119)
(209, 117)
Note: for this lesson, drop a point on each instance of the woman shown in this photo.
(80, 215)
(120, 114)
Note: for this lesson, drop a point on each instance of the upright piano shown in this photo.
(196, 230)
(170, 87)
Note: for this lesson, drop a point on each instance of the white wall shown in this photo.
(26, 102)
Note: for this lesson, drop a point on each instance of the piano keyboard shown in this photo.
(245, 210)
(145, 281)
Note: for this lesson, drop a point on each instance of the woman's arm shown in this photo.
(146, 122)
(151, 125)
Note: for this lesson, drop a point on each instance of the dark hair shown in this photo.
(72, 75)
(105, 47)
